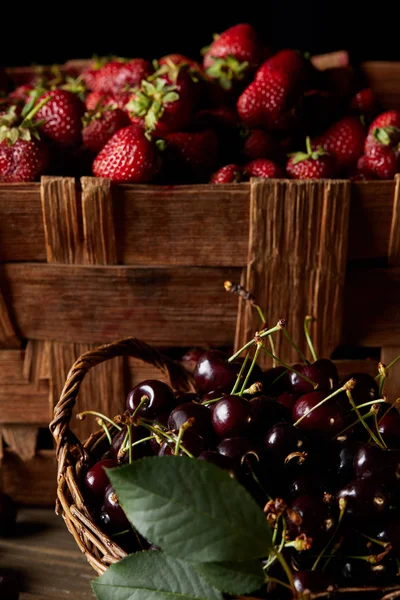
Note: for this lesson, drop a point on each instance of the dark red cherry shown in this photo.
(391, 533)
(96, 479)
(283, 439)
(389, 428)
(328, 370)
(311, 515)
(220, 460)
(288, 400)
(114, 510)
(213, 371)
(159, 398)
(8, 514)
(190, 358)
(200, 415)
(138, 451)
(366, 498)
(327, 419)
(341, 457)
(365, 390)
(307, 483)
(300, 386)
(275, 381)
(231, 416)
(265, 412)
(193, 442)
(9, 585)
(236, 448)
(314, 581)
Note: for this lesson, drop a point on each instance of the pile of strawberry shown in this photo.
(243, 112)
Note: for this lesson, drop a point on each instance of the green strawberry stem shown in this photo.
(308, 145)
(342, 506)
(81, 416)
(307, 322)
(359, 415)
(34, 111)
(263, 334)
(255, 357)
(289, 368)
(335, 393)
(239, 377)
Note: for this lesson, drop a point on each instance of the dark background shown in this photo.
(53, 33)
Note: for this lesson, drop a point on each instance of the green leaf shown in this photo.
(192, 509)
(152, 576)
(233, 577)
(171, 97)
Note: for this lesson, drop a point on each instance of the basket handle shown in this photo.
(177, 376)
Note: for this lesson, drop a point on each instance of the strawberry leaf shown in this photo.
(192, 509)
(233, 577)
(152, 576)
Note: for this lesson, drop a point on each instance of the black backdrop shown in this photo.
(48, 33)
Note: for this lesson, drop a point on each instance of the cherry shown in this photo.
(160, 398)
(256, 373)
(96, 479)
(137, 433)
(117, 517)
(300, 386)
(327, 369)
(213, 371)
(311, 515)
(220, 460)
(307, 483)
(389, 428)
(193, 442)
(231, 416)
(200, 414)
(190, 358)
(9, 585)
(265, 412)
(327, 419)
(313, 581)
(236, 448)
(283, 439)
(371, 461)
(275, 381)
(287, 399)
(366, 388)
(391, 533)
(366, 498)
(342, 455)
(8, 515)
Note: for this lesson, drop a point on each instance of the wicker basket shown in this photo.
(72, 456)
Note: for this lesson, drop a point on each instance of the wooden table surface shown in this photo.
(43, 552)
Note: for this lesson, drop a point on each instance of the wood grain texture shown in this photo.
(394, 239)
(392, 383)
(96, 304)
(297, 259)
(21, 403)
(8, 336)
(12, 367)
(30, 482)
(61, 217)
(371, 307)
(20, 439)
(384, 77)
(98, 222)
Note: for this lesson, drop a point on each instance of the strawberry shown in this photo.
(128, 157)
(190, 157)
(100, 126)
(286, 61)
(390, 118)
(262, 167)
(23, 156)
(364, 103)
(21, 93)
(165, 102)
(361, 172)
(384, 131)
(117, 75)
(344, 139)
(97, 99)
(62, 117)
(382, 161)
(312, 164)
(182, 61)
(233, 54)
(260, 144)
(227, 174)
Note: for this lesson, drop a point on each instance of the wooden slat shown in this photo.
(394, 239)
(61, 219)
(90, 304)
(32, 482)
(25, 404)
(297, 259)
(372, 307)
(98, 222)
(8, 336)
(347, 367)
(20, 439)
(12, 367)
(384, 78)
(392, 383)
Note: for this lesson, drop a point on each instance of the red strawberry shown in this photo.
(260, 144)
(262, 167)
(361, 171)
(21, 93)
(101, 125)
(232, 54)
(190, 157)
(165, 102)
(287, 61)
(23, 157)
(382, 161)
(390, 118)
(62, 117)
(364, 103)
(345, 140)
(227, 174)
(384, 130)
(128, 157)
(118, 76)
(180, 60)
(97, 99)
(312, 164)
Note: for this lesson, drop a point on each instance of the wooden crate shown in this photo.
(86, 262)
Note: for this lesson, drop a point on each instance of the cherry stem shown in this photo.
(143, 400)
(130, 443)
(325, 549)
(335, 393)
(289, 367)
(286, 568)
(239, 377)
(263, 334)
(213, 401)
(380, 401)
(168, 436)
(389, 409)
(253, 363)
(377, 430)
(279, 582)
(379, 542)
(361, 418)
(145, 439)
(182, 430)
(106, 431)
(366, 416)
(290, 340)
(389, 366)
(307, 322)
(82, 415)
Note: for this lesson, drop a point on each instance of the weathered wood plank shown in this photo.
(32, 482)
(90, 304)
(12, 367)
(98, 222)
(20, 439)
(297, 260)
(394, 239)
(25, 404)
(383, 77)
